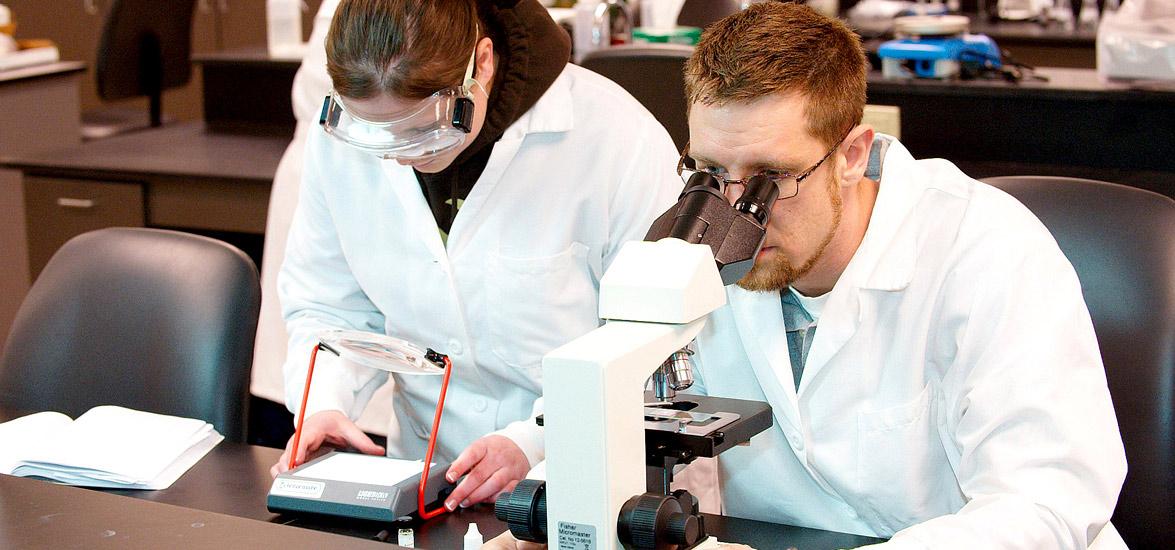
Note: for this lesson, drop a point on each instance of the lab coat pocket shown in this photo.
(538, 304)
(898, 463)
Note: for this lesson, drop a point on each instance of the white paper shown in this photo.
(133, 444)
(22, 436)
(107, 446)
(29, 57)
(357, 468)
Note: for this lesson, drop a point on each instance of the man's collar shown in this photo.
(890, 254)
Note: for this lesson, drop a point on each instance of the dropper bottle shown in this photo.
(473, 539)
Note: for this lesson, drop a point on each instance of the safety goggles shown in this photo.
(435, 125)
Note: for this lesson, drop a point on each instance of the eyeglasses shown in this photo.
(788, 184)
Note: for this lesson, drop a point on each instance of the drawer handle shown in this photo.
(66, 202)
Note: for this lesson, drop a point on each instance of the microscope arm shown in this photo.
(595, 433)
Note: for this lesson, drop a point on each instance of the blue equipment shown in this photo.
(938, 56)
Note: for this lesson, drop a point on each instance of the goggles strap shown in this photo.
(467, 85)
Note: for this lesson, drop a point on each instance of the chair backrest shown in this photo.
(145, 48)
(1121, 241)
(653, 74)
(149, 319)
(700, 13)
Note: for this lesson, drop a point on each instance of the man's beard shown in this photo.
(778, 273)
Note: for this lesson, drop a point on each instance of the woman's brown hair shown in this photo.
(407, 48)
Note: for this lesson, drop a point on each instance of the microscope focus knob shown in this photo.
(525, 510)
(657, 522)
(683, 529)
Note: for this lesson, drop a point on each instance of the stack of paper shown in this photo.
(29, 57)
(107, 446)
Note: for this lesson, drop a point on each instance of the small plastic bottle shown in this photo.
(590, 32)
(406, 538)
(473, 539)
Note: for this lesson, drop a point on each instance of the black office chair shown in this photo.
(149, 319)
(145, 49)
(700, 13)
(652, 73)
(1121, 241)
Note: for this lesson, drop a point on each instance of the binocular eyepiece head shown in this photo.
(703, 215)
(759, 193)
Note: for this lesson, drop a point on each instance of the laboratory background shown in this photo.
(193, 116)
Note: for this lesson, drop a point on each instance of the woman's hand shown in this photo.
(331, 428)
(491, 465)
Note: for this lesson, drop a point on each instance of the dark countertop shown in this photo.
(225, 492)
(1062, 84)
(182, 149)
(245, 56)
(38, 514)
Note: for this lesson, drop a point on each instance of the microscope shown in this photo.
(601, 431)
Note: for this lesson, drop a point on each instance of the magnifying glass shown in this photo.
(386, 353)
(379, 351)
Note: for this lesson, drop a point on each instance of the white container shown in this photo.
(473, 539)
(660, 14)
(284, 28)
(590, 27)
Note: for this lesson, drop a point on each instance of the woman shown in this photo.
(467, 193)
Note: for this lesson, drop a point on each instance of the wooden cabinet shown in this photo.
(76, 27)
(57, 210)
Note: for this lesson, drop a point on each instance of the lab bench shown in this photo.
(220, 502)
(1071, 124)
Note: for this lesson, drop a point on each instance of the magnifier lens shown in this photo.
(379, 351)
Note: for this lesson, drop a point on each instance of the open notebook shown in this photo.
(107, 446)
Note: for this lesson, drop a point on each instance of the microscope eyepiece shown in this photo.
(703, 179)
(757, 198)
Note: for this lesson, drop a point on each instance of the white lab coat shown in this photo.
(586, 169)
(954, 375)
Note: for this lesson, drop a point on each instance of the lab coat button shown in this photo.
(479, 404)
(454, 347)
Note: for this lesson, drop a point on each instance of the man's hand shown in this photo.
(491, 465)
(327, 427)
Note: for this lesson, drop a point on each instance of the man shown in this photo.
(923, 342)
